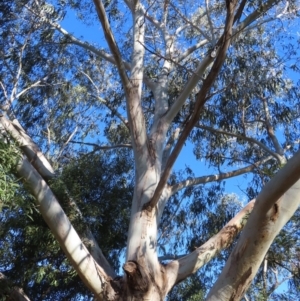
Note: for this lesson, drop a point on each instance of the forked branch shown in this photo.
(189, 264)
(223, 45)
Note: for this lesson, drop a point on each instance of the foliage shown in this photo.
(9, 155)
(31, 257)
(68, 97)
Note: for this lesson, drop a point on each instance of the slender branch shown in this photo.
(99, 53)
(151, 19)
(264, 6)
(42, 166)
(190, 50)
(105, 102)
(208, 59)
(191, 84)
(112, 45)
(170, 257)
(75, 41)
(104, 147)
(223, 44)
(210, 22)
(270, 129)
(184, 267)
(168, 148)
(113, 110)
(16, 80)
(245, 138)
(67, 142)
(222, 176)
(36, 84)
(207, 37)
(4, 90)
(87, 268)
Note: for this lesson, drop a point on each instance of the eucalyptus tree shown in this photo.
(214, 74)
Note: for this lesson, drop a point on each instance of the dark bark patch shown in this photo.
(113, 288)
(241, 285)
(137, 278)
(275, 212)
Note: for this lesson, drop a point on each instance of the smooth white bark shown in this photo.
(275, 205)
(44, 168)
(31, 150)
(178, 270)
(87, 268)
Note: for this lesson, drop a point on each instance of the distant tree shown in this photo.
(87, 129)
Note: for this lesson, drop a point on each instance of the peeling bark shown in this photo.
(275, 205)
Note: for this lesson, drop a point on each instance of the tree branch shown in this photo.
(210, 22)
(211, 178)
(270, 129)
(223, 45)
(190, 50)
(43, 167)
(29, 148)
(168, 148)
(191, 23)
(112, 45)
(104, 147)
(277, 156)
(179, 269)
(274, 206)
(208, 59)
(87, 268)
(133, 86)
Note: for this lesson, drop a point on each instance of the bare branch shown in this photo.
(36, 84)
(180, 269)
(191, 23)
(105, 102)
(274, 206)
(67, 142)
(223, 45)
(16, 79)
(168, 148)
(270, 129)
(112, 44)
(210, 22)
(212, 178)
(76, 41)
(4, 90)
(104, 147)
(245, 138)
(44, 169)
(264, 6)
(87, 268)
(31, 150)
(170, 257)
(190, 50)
(208, 59)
